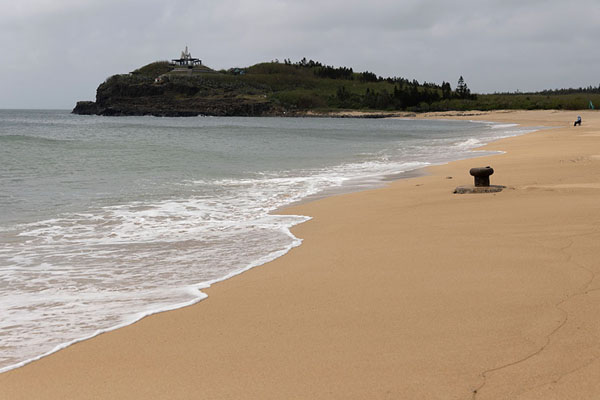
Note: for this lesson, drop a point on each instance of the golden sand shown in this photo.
(404, 292)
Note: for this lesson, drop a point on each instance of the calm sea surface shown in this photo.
(104, 220)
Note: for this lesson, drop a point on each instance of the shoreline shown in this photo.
(352, 186)
(374, 196)
(360, 184)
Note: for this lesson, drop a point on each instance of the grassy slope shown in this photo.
(575, 101)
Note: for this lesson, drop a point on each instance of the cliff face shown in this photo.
(173, 94)
(167, 106)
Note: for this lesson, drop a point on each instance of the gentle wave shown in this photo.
(197, 238)
(30, 139)
(503, 126)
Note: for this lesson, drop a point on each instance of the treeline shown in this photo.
(405, 94)
(553, 92)
(345, 88)
(323, 71)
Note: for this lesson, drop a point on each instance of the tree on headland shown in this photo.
(446, 90)
(368, 77)
(462, 91)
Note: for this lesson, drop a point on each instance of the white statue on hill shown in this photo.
(186, 55)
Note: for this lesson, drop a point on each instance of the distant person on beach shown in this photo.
(578, 121)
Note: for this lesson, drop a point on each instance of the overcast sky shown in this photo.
(55, 52)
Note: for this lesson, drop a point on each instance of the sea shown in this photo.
(105, 220)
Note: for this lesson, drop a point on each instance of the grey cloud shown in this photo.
(57, 52)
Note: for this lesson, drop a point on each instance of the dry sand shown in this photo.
(405, 292)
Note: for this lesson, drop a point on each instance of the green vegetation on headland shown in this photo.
(287, 88)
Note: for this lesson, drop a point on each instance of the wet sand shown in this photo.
(402, 292)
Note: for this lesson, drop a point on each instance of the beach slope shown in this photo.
(404, 292)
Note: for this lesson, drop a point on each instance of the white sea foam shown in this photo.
(194, 291)
(503, 126)
(469, 143)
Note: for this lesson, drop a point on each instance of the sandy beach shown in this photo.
(403, 292)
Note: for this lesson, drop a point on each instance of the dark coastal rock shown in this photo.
(86, 108)
(176, 96)
(169, 107)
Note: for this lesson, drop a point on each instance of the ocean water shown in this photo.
(104, 220)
